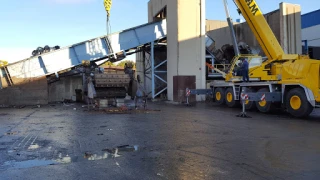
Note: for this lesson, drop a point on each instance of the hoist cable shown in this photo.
(107, 5)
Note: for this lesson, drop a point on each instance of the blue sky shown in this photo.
(33, 23)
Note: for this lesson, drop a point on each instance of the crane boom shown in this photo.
(262, 31)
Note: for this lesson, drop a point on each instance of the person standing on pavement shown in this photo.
(245, 70)
(91, 91)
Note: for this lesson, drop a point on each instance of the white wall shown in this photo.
(310, 34)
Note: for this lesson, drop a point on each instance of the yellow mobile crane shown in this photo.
(288, 81)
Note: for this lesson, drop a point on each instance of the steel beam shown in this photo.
(152, 70)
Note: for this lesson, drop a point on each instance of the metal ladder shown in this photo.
(7, 76)
(237, 92)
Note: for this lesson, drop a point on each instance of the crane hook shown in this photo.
(107, 5)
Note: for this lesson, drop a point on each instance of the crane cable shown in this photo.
(107, 5)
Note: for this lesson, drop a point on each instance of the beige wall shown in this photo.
(219, 31)
(64, 88)
(186, 52)
(185, 37)
(32, 91)
(154, 7)
(284, 22)
(173, 45)
(290, 16)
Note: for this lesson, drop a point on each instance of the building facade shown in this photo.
(310, 25)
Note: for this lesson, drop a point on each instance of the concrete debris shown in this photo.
(21, 107)
(11, 133)
(37, 106)
(87, 154)
(64, 104)
(123, 148)
(225, 54)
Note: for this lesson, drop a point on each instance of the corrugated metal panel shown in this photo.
(310, 19)
(312, 35)
(94, 49)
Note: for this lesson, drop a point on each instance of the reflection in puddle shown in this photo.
(93, 157)
(64, 160)
(28, 164)
(34, 163)
(109, 153)
(33, 146)
(125, 148)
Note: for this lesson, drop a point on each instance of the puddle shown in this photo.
(107, 153)
(4, 114)
(34, 163)
(28, 164)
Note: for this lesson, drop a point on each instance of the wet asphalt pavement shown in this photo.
(177, 142)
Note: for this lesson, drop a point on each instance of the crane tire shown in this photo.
(265, 106)
(249, 105)
(219, 96)
(230, 99)
(297, 103)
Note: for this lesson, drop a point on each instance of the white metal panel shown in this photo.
(91, 50)
(88, 50)
(152, 32)
(123, 41)
(32, 67)
(59, 60)
(312, 35)
(209, 42)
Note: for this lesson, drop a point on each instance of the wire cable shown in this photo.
(313, 39)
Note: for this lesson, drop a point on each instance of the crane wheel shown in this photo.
(230, 99)
(249, 105)
(264, 106)
(297, 103)
(219, 95)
